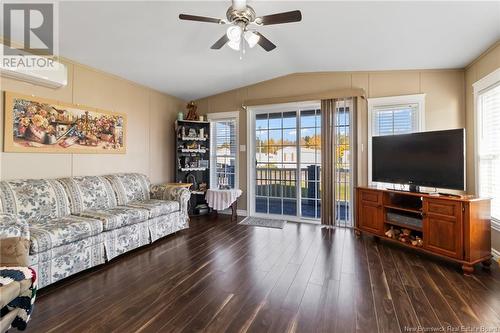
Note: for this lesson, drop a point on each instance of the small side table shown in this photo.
(223, 199)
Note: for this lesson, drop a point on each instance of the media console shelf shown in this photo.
(457, 228)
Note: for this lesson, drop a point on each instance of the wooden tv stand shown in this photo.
(457, 228)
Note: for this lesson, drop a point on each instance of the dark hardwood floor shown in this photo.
(218, 276)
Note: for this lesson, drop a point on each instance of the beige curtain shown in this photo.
(327, 161)
(330, 162)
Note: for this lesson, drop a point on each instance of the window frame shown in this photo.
(224, 116)
(481, 86)
(392, 101)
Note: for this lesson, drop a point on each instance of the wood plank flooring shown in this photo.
(218, 276)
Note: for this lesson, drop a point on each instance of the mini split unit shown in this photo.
(33, 69)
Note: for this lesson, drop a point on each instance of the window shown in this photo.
(487, 92)
(394, 119)
(224, 150)
(392, 116)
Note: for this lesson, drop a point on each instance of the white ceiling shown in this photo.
(146, 42)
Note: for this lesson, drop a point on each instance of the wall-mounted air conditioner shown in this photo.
(34, 69)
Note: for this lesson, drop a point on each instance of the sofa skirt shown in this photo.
(124, 239)
(121, 240)
(162, 226)
(62, 261)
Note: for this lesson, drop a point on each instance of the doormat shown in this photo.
(262, 222)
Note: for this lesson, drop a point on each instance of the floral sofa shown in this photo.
(80, 222)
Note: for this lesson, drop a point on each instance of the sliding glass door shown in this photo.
(276, 163)
(309, 148)
(287, 161)
(285, 151)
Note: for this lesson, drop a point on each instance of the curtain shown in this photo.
(338, 161)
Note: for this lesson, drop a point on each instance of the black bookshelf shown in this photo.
(192, 158)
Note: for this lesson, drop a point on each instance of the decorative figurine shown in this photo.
(191, 107)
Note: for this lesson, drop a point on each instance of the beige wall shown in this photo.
(444, 89)
(488, 62)
(150, 140)
(479, 68)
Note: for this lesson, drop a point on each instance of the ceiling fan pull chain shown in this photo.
(242, 48)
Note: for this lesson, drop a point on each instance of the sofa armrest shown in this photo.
(174, 193)
(11, 226)
(14, 241)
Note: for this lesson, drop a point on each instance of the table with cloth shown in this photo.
(219, 199)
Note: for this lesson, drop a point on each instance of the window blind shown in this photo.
(395, 119)
(489, 147)
(225, 152)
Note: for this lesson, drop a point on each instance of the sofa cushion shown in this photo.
(156, 207)
(130, 187)
(117, 217)
(34, 200)
(65, 230)
(85, 193)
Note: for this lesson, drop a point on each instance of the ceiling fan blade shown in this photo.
(286, 17)
(265, 43)
(201, 19)
(220, 43)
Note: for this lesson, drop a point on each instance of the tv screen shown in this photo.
(433, 159)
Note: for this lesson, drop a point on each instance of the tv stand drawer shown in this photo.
(370, 196)
(443, 207)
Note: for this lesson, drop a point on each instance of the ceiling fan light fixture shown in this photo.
(251, 38)
(234, 33)
(234, 44)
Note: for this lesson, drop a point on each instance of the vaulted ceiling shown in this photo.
(146, 42)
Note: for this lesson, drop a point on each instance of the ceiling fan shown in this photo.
(241, 18)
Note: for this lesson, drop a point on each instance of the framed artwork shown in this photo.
(34, 124)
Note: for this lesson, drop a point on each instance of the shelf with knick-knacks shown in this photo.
(192, 147)
(188, 132)
(193, 160)
(192, 163)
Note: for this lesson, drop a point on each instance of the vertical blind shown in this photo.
(489, 147)
(338, 146)
(395, 119)
(225, 152)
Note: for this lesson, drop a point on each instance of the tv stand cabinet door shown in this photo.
(370, 212)
(443, 227)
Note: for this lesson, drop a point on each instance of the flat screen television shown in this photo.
(432, 159)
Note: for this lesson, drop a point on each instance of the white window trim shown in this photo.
(389, 101)
(217, 116)
(486, 83)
